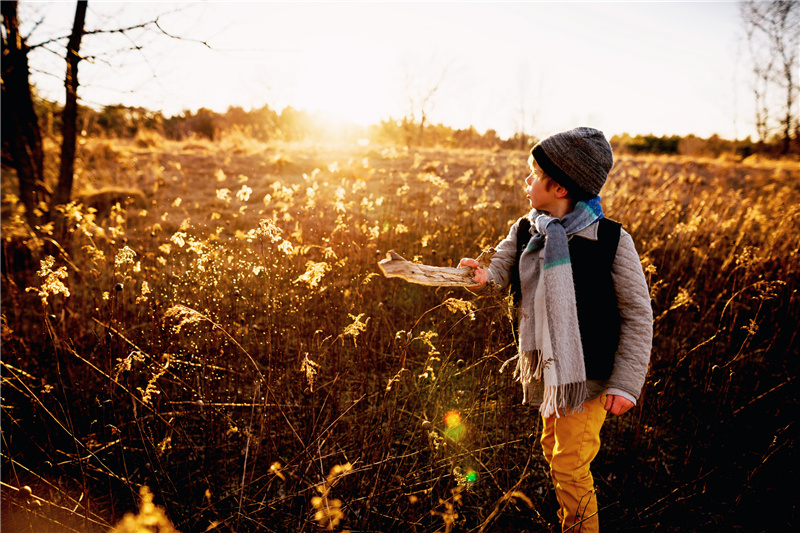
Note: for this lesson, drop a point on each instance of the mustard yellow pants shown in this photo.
(570, 443)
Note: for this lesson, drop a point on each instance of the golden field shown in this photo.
(216, 329)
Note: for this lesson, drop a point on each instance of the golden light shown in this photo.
(345, 76)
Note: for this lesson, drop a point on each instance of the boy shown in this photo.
(585, 320)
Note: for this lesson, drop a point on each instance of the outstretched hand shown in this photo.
(480, 275)
(618, 405)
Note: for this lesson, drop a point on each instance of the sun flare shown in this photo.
(345, 76)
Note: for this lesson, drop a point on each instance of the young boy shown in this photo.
(585, 320)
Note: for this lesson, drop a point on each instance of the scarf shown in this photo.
(557, 359)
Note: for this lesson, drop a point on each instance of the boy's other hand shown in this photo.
(480, 275)
(617, 405)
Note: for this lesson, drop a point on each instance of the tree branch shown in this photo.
(181, 38)
(97, 32)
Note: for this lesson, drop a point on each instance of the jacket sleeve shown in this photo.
(636, 320)
(500, 267)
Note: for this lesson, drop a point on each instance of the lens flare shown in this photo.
(454, 427)
(452, 419)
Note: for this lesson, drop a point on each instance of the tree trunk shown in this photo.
(20, 125)
(63, 192)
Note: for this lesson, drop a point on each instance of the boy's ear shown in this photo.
(561, 192)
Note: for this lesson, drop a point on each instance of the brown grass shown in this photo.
(229, 342)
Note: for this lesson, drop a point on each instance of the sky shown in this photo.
(659, 68)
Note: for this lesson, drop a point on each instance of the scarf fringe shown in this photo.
(559, 400)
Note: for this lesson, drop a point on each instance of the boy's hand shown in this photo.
(480, 275)
(617, 405)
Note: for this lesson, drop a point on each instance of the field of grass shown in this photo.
(223, 337)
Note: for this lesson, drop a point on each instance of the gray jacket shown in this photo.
(633, 299)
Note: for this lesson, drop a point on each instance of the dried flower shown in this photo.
(224, 194)
(310, 368)
(329, 510)
(244, 193)
(149, 518)
(125, 255)
(52, 283)
(455, 305)
(355, 328)
(314, 273)
(185, 315)
(275, 468)
(268, 229)
(179, 238)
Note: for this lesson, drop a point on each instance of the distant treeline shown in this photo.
(266, 124)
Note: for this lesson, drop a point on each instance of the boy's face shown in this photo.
(540, 190)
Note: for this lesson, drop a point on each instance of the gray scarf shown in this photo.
(550, 341)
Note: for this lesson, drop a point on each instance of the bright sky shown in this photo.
(637, 67)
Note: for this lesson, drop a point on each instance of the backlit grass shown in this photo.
(220, 334)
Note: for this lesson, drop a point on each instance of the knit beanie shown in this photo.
(579, 160)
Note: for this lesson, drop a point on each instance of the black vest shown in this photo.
(596, 299)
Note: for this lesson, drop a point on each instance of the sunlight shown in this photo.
(345, 76)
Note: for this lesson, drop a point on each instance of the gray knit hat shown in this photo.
(579, 160)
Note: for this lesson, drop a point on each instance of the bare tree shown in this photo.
(762, 68)
(22, 140)
(773, 35)
(526, 117)
(63, 191)
(21, 126)
(421, 90)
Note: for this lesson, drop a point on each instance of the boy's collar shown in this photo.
(589, 232)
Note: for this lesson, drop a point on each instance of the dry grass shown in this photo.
(230, 344)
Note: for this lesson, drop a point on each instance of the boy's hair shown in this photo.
(549, 182)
